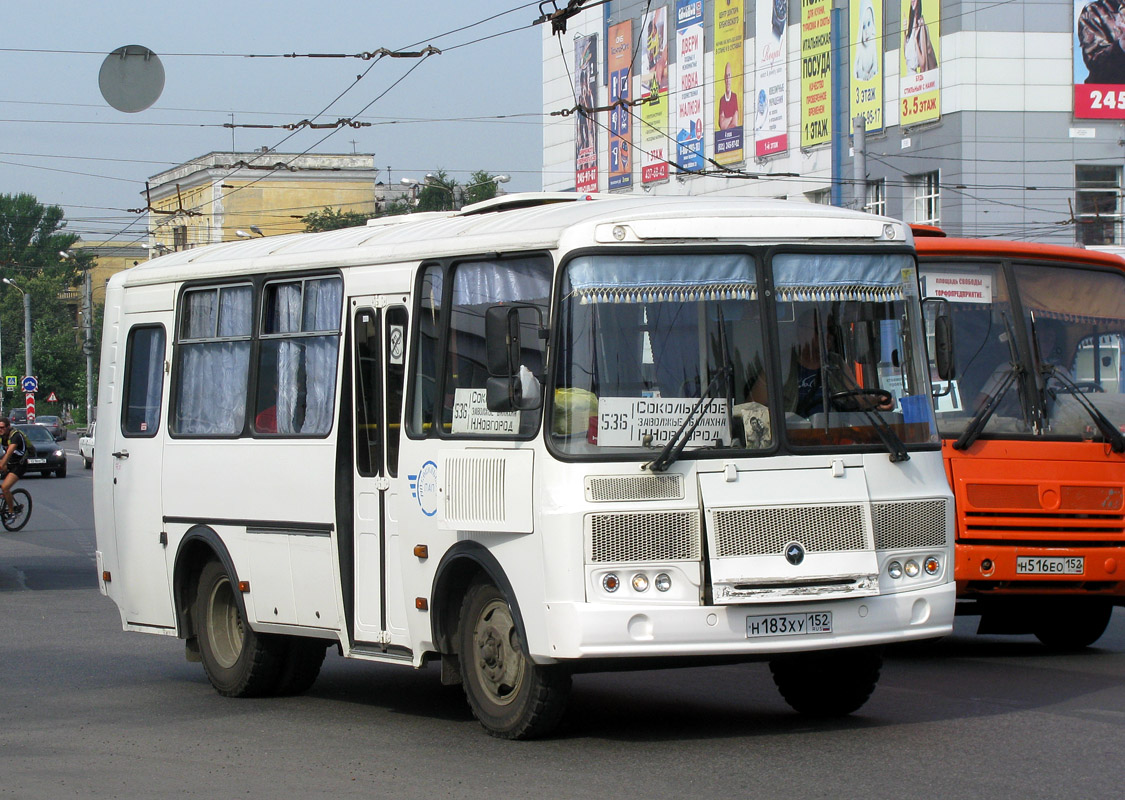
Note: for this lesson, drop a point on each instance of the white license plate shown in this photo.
(37, 461)
(789, 624)
(1050, 565)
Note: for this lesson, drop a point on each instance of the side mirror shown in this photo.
(942, 356)
(511, 386)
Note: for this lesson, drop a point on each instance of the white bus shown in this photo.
(540, 435)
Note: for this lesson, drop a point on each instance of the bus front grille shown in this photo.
(910, 524)
(766, 531)
(644, 536)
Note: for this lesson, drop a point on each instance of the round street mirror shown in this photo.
(131, 78)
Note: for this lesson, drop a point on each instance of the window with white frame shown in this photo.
(876, 202)
(926, 204)
(821, 197)
(1097, 204)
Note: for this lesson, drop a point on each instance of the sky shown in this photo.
(476, 106)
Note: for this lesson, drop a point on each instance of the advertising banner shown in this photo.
(620, 117)
(816, 72)
(654, 90)
(1099, 60)
(586, 133)
(689, 99)
(919, 61)
(866, 26)
(771, 117)
(729, 69)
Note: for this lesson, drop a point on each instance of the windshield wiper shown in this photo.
(992, 400)
(1107, 429)
(671, 451)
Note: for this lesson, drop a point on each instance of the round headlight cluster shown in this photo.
(640, 582)
(912, 569)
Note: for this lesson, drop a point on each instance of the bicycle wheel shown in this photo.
(14, 522)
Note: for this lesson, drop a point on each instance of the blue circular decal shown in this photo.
(423, 487)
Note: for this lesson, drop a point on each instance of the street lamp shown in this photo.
(88, 335)
(26, 325)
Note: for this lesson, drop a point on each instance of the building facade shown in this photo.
(990, 119)
(211, 198)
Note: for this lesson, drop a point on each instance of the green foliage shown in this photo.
(438, 193)
(331, 219)
(31, 237)
(481, 186)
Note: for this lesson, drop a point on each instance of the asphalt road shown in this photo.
(87, 710)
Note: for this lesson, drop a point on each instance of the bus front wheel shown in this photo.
(828, 683)
(511, 696)
(238, 661)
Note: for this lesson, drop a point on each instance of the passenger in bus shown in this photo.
(804, 391)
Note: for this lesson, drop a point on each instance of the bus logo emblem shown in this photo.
(794, 553)
(423, 488)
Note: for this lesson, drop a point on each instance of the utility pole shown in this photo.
(88, 346)
(859, 162)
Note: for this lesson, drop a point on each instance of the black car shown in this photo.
(52, 424)
(17, 415)
(48, 456)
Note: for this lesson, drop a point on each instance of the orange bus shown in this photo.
(1032, 431)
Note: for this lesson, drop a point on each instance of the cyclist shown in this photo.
(12, 463)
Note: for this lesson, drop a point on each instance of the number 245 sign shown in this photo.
(1099, 101)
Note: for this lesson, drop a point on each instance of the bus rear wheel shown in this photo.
(830, 683)
(1071, 625)
(300, 665)
(238, 661)
(510, 695)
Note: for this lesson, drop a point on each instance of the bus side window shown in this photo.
(144, 381)
(478, 285)
(394, 347)
(427, 335)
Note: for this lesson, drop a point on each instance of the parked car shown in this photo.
(49, 457)
(17, 415)
(52, 424)
(86, 446)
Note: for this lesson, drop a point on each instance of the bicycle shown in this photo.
(16, 521)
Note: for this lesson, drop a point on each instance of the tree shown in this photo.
(482, 186)
(31, 237)
(331, 219)
(438, 193)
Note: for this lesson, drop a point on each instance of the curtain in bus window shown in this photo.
(653, 279)
(211, 395)
(864, 278)
(305, 365)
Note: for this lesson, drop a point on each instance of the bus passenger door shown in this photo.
(137, 440)
(379, 363)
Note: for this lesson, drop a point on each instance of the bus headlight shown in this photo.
(894, 569)
(662, 582)
(912, 569)
(640, 582)
(610, 582)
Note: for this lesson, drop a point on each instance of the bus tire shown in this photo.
(1072, 625)
(829, 683)
(238, 661)
(511, 696)
(300, 665)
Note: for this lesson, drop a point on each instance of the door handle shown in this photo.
(121, 454)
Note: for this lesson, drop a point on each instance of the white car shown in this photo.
(86, 446)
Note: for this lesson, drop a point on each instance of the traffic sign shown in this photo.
(30, 384)
(10, 382)
(52, 398)
(30, 408)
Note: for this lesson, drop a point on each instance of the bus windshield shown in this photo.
(652, 344)
(1065, 340)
